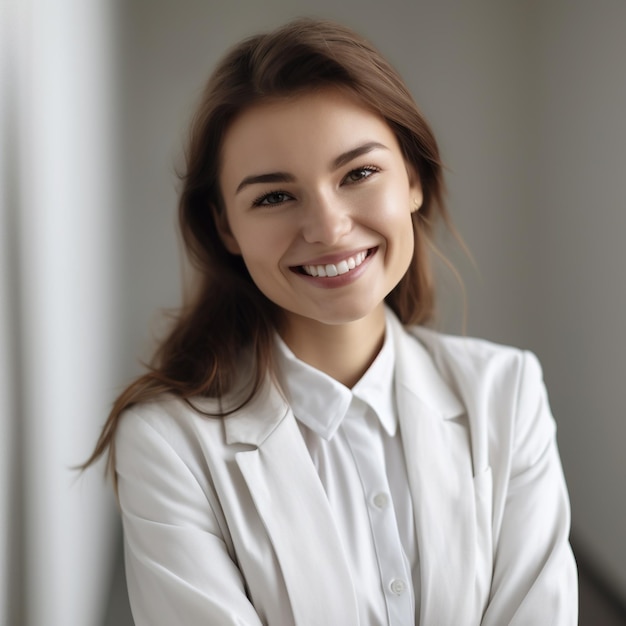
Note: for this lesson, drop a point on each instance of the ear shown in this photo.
(223, 229)
(415, 188)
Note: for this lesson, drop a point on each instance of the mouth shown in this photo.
(330, 270)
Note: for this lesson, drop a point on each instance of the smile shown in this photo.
(331, 270)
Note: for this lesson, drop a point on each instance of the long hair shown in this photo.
(228, 314)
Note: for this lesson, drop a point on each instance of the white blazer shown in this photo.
(226, 521)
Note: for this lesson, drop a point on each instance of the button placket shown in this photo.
(384, 527)
(380, 500)
(397, 586)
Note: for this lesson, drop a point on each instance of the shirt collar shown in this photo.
(376, 386)
(321, 403)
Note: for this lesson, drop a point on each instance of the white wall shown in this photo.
(579, 244)
(527, 100)
(58, 309)
(8, 380)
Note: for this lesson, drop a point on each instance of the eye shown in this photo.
(360, 173)
(272, 198)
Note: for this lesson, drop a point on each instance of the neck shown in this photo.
(343, 351)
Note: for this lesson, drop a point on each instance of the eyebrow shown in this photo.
(348, 156)
(285, 177)
(273, 177)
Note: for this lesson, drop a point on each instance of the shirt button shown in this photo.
(397, 586)
(381, 500)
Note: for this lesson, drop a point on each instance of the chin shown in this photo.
(347, 313)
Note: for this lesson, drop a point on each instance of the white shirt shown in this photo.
(227, 521)
(355, 444)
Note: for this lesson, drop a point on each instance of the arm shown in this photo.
(534, 579)
(178, 566)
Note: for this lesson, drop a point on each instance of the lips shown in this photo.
(330, 270)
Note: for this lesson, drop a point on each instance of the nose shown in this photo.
(325, 221)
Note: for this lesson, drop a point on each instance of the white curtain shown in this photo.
(57, 324)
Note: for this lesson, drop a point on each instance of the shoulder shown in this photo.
(201, 431)
(478, 360)
(167, 415)
(501, 388)
(167, 429)
(460, 348)
(474, 370)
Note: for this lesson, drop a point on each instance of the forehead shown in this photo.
(321, 123)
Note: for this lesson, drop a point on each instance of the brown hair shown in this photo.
(228, 314)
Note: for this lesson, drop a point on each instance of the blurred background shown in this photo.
(528, 101)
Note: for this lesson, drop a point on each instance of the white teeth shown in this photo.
(331, 270)
(342, 267)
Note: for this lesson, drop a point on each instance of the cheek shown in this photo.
(397, 222)
(393, 216)
(261, 242)
(405, 240)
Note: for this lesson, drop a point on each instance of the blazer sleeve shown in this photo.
(178, 566)
(534, 578)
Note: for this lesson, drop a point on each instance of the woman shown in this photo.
(303, 450)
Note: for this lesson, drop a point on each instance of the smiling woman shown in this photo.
(303, 450)
(335, 237)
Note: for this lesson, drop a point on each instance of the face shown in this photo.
(318, 202)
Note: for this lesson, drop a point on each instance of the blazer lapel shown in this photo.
(438, 455)
(292, 503)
